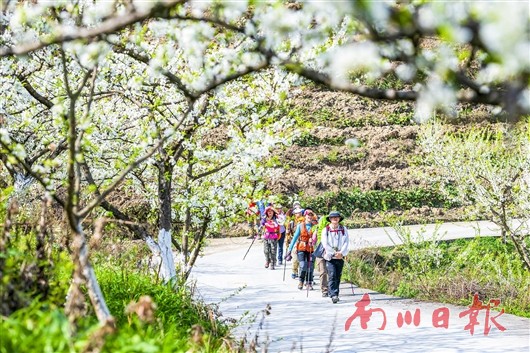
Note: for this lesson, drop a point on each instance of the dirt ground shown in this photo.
(388, 155)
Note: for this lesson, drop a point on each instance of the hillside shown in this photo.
(379, 178)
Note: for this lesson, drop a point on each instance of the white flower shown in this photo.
(357, 56)
(4, 136)
(435, 95)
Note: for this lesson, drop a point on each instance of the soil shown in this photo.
(386, 158)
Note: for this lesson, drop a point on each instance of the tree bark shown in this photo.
(165, 171)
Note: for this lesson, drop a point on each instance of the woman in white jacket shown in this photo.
(335, 240)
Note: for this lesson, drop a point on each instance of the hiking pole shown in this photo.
(308, 276)
(284, 267)
(351, 283)
(253, 240)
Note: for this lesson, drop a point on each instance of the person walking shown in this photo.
(295, 219)
(335, 240)
(320, 262)
(270, 237)
(281, 219)
(253, 219)
(303, 240)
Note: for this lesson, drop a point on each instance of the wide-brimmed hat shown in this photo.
(308, 210)
(297, 210)
(296, 203)
(270, 208)
(334, 214)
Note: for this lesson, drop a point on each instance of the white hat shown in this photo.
(296, 203)
(297, 210)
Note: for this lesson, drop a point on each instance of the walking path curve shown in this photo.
(306, 322)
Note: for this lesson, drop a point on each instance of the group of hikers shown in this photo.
(307, 238)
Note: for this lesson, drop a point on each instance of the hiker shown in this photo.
(281, 218)
(320, 262)
(271, 233)
(335, 240)
(303, 239)
(253, 219)
(296, 217)
(261, 208)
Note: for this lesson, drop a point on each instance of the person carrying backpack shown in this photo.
(320, 262)
(304, 239)
(270, 236)
(253, 219)
(281, 219)
(296, 217)
(335, 241)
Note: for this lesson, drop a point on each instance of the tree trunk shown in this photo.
(167, 271)
(84, 272)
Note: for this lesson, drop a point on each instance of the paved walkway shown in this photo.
(301, 323)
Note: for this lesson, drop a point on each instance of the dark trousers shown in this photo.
(307, 264)
(334, 267)
(280, 246)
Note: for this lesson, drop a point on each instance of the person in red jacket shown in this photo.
(252, 214)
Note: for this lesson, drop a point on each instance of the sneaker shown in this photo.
(309, 286)
(335, 300)
(272, 267)
(266, 265)
(294, 276)
(300, 285)
(325, 294)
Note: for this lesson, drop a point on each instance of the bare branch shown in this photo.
(33, 92)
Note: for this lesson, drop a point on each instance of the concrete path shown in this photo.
(297, 323)
(387, 236)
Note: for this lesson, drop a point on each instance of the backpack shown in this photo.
(304, 243)
(340, 230)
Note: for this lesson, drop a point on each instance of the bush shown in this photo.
(377, 200)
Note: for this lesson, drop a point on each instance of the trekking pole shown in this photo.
(351, 283)
(284, 267)
(308, 276)
(253, 240)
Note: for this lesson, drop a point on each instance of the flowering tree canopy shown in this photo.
(490, 169)
(442, 53)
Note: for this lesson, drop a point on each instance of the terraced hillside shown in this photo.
(379, 178)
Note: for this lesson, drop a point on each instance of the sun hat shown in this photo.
(309, 210)
(270, 208)
(298, 210)
(296, 203)
(334, 214)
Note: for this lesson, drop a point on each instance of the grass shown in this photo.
(447, 272)
(149, 316)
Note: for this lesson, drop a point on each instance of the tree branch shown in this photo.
(111, 25)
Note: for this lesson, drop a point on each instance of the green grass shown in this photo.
(42, 327)
(447, 272)
(37, 322)
(348, 201)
